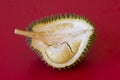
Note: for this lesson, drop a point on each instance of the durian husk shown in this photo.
(47, 20)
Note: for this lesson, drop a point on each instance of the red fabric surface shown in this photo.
(18, 62)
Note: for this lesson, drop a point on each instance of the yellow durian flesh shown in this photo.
(60, 42)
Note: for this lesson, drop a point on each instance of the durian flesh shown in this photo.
(61, 40)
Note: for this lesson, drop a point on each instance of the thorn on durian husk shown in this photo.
(79, 60)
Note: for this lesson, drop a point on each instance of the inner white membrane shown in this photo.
(63, 41)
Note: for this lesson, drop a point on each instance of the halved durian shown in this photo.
(61, 40)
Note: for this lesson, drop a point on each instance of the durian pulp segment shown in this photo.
(63, 41)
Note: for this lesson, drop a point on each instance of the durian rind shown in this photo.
(54, 18)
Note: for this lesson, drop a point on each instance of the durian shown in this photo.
(60, 40)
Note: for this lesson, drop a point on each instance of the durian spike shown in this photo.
(25, 33)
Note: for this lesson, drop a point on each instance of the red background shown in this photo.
(18, 62)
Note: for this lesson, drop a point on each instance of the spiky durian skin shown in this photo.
(53, 18)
